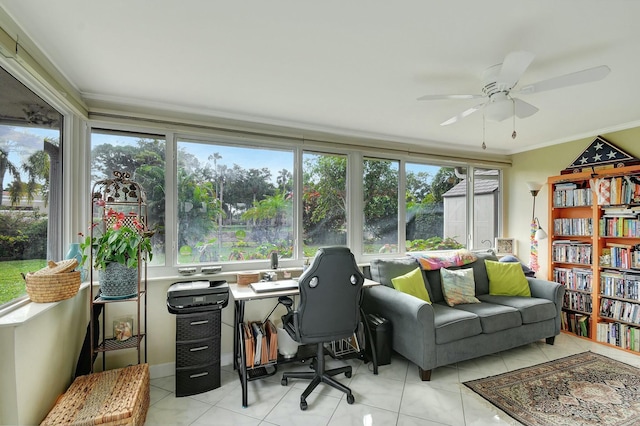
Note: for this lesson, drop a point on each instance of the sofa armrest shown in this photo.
(412, 321)
(549, 290)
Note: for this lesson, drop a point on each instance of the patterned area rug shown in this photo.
(583, 389)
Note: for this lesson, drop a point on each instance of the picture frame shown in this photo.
(505, 246)
(123, 328)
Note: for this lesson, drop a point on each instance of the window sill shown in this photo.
(14, 317)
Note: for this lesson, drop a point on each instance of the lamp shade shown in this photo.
(534, 186)
(540, 234)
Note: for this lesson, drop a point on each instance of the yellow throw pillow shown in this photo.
(458, 286)
(507, 279)
(412, 283)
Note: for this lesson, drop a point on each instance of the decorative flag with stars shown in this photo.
(601, 153)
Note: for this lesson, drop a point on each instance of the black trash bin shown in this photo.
(381, 334)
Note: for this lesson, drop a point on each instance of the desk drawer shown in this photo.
(197, 326)
(197, 352)
(191, 381)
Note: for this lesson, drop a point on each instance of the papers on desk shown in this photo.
(280, 285)
(260, 343)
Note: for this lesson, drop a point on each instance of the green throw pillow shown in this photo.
(507, 279)
(458, 286)
(412, 283)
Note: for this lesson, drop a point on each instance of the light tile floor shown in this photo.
(396, 396)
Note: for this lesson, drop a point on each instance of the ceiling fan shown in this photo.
(499, 81)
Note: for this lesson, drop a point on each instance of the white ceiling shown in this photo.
(349, 67)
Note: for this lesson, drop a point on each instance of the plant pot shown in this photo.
(117, 281)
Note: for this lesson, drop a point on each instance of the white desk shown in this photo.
(242, 294)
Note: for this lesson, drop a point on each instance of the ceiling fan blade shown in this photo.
(524, 109)
(572, 79)
(514, 65)
(462, 115)
(440, 97)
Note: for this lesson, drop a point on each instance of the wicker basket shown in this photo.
(58, 281)
(110, 398)
(246, 278)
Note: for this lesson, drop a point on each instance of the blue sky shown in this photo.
(21, 143)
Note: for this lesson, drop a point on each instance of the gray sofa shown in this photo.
(435, 335)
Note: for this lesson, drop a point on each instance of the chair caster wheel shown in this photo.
(350, 399)
(347, 374)
(303, 404)
(284, 381)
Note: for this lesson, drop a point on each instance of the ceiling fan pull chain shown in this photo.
(484, 145)
(514, 134)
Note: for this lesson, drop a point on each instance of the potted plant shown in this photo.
(116, 252)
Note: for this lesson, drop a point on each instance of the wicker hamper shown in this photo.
(246, 278)
(58, 281)
(110, 398)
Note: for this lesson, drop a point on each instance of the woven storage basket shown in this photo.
(246, 278)
(58, 281)
(110, 398)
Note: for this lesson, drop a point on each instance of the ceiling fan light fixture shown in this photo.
(499, 110)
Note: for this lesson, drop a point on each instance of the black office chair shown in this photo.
(329, 309)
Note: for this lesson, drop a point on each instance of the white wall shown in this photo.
(38, 360)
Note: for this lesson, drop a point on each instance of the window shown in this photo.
(235, 203)
(486, 204)
(30, 181)
(143, 156)
(324, 201)
(436, 206)
(380, 205)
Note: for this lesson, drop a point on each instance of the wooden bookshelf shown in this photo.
(594, 250)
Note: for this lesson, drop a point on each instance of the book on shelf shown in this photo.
(618, 334)
(583, 322)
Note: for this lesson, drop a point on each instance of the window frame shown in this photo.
(173, 132)
(69, 154)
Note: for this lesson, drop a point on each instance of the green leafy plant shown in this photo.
(120, 242)
(433, 243)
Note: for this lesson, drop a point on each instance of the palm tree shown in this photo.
(5, 165)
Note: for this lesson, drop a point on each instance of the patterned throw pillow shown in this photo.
(458, 286)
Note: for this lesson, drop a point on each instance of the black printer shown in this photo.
(197, 296)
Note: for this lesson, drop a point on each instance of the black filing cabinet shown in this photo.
(198, 308)
(197, 352)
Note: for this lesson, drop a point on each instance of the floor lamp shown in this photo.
(537, 233)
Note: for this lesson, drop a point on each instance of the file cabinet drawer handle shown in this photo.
(200, 348)
(199, 322)
(195, 376)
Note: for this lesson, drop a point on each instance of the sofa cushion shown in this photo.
(458, 286)
(454, 324)
(479, 276)
(437, 259)
(412, 283)
(532, 309)
(382, 270)
(506, 279)
(494, 317)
